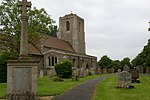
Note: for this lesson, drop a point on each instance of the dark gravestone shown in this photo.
(126, 68)
(140, 69)
(135, 75)
(124, 79)
(148, 70)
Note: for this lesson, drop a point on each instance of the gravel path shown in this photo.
(81, 92)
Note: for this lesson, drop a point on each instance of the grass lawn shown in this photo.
(106, 90)
(47, 87)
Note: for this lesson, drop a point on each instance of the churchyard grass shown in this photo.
(47, 87)
(2, 90)
(106, 90)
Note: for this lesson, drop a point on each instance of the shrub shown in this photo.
(3, 64)
(64, 69)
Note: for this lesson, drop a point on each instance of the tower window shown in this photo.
(67, 26)
(79, 27)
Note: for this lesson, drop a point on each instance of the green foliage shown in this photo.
(143, 58)
(116, 64)
(125, 61)
(105, 61)
(3, 65)
(64, 69)
(10, 26)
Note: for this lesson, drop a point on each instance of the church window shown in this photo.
(74, 62)
(79, 27)
(67, 26)
(52, 60)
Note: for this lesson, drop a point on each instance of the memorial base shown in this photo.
(22, 80)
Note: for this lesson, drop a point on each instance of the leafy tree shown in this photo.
(143, 58)
(64, 69)
(105, 61)
(116, 64)
(10, 26)
(126, 61)
(3, 65)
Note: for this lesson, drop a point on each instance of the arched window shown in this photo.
(67, 26)
(52, 60)
(73, 62)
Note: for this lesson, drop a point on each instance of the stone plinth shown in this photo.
(22, 80)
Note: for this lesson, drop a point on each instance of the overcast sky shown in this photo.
(117, 28)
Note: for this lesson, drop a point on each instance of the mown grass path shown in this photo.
(106, 90)
(81, 92)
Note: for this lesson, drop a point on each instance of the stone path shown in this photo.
(81, 92)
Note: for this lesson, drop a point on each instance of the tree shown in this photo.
(10, 26)
(105, 61)
(64, 69)
(126, 61)
(3, 64)
(143, 58)
(116, 64)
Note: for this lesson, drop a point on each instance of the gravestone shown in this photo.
(104, 70)
(22, 73)
(126, 68)
(135, 75)
(124, 79)
(119, 70)
(140, 69)
(148, 70)
(41, 73)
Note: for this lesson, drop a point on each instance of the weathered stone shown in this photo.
(124, 79)
(41, 73)
(21, 80)
(140, 69)
(148, 70)
(134, 75)
(104, 70)
(126, 68)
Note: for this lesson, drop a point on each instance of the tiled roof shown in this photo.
(50, 42)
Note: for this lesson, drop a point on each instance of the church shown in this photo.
(69, 45)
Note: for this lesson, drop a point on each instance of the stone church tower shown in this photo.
(71, 29)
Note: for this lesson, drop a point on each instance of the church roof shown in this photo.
(50, 42)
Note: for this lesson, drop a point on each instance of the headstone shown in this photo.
(111, 70)
(82, 72)
(99, 70)
(75, 74)
(148, 70)
(41, 73)
(105, 71)
(119, 70)
(126, 68)
(140, 69)
(124, 79)
(135, 75)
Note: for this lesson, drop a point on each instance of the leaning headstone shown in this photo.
(126, 68)
(124, 79)
(148, 70)
(135, 75)
(140, 69)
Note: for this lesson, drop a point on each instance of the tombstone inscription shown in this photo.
(124, 79)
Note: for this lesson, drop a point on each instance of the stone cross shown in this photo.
(24, 4)
(24, 29)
